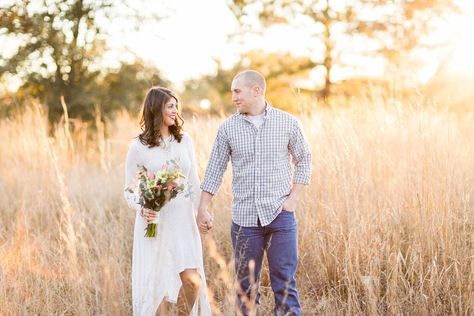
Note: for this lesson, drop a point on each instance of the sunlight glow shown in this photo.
(205, 104)
(462, 57)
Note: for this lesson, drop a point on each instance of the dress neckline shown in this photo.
(165, 143)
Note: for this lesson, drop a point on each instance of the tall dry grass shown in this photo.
(386, 226)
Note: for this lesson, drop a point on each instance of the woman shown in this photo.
(168, 267)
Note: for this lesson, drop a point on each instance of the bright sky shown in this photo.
(184, 44)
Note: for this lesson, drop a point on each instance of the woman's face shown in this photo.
(170, 112)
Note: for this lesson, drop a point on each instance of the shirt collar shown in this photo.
(267, 111)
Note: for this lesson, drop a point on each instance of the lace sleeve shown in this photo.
(131, 165)
(194, 181)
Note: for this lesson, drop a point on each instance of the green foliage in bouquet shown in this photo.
(158, 188)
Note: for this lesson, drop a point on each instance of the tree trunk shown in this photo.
(326, 92)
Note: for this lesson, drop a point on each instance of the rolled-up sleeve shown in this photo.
(301, 153)
(217, 165)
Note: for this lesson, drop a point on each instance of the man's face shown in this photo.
(243, 96)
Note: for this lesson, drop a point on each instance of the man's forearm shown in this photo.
(292, 199)
(295, 191)
(206, 198)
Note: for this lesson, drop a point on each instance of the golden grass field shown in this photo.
(385, 227)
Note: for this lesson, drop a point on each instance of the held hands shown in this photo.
(204, 221)
(148, 215)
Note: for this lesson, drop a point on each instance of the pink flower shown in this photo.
(151, 175)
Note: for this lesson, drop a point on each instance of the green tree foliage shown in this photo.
(126, 87)
(62, 46)
(282, 71)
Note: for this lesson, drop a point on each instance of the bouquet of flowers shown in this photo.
(155, 189)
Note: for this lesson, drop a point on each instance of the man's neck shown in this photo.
(259, 109)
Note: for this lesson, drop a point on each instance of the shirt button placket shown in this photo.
(258, 175)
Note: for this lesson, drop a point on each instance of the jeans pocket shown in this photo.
(286, 220)
(287, 217)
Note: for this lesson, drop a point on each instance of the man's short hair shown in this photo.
(252, 78)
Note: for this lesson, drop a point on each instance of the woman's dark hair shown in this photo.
(152, 117)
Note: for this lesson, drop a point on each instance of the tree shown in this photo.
(396, 26)
(126, 87)
(280, 70)
(62, 46)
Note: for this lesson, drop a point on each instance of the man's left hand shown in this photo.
(289, 205)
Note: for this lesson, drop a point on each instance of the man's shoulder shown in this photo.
(230, 121)
(283, 115)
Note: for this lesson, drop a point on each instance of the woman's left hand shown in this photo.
(148, 215)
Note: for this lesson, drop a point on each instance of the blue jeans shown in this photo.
(280, 240)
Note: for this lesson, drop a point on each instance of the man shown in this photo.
(259, 140)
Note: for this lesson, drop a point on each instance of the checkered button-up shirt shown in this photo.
(262, 172)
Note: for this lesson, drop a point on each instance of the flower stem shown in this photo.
(151, 230)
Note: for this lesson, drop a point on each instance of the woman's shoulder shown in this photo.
(134, 149)
(187, 138)
(187, 141)
(136, 144)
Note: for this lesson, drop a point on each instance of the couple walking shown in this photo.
(259, 140)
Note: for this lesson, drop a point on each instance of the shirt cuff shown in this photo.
(301, 179)
(209, 187)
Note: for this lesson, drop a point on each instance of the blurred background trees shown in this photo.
(280, 71)
(388, 29)
(61, 47)
(60, 53)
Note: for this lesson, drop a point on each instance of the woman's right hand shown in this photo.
(204, 221)
(148, 215)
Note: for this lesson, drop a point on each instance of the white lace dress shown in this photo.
(157, 262)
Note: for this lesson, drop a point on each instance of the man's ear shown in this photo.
(257, 90)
